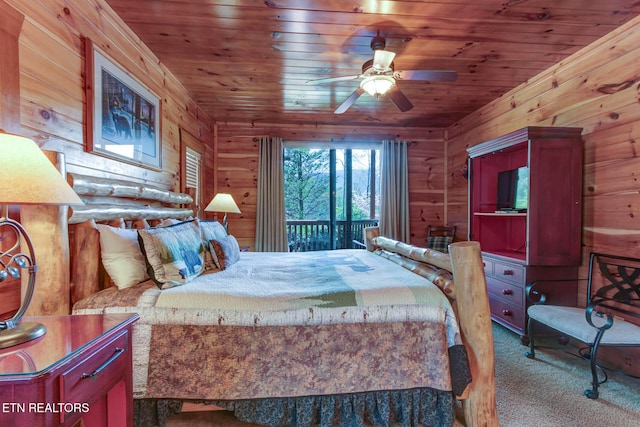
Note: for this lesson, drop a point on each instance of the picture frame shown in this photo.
(123, 119)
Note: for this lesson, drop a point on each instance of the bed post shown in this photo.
(49, 231)
(475, 324)
(368, 234)
(85, 260)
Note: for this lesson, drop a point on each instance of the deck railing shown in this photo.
(313, 235)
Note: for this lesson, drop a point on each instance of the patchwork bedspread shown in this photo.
(287, 325)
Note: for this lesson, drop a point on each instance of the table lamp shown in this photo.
(28, 177)
(223, 202)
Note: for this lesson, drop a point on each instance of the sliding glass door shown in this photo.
(330, 196)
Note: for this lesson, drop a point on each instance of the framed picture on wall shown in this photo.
(123, 116)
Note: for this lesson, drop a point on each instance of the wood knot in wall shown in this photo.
(615, 87)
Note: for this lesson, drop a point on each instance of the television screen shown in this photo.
(513, 189)
(522, 189)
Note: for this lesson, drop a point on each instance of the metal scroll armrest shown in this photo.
(592, 311)
(535, 296)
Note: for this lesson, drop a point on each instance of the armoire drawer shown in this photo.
(506, 291)
(488, 266)
(511, 272)
(507, 313)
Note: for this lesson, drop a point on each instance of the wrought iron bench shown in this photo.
(611, 317)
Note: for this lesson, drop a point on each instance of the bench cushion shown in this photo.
(572, 322)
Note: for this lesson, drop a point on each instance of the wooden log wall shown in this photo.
(10, 28)
(237, 168)
(52, 80)
(597, 89)
(51, 92)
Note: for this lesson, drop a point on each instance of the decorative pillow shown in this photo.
(121, 256)
(210, 230)
(225, 251)
(174, 254)
(439, 243)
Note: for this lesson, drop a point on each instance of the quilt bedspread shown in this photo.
(286, 325)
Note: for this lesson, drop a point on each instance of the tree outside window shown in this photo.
(308, 175)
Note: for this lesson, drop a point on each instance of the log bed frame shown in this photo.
(131, 205)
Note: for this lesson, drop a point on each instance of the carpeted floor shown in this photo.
(548, 391)
(545, 392)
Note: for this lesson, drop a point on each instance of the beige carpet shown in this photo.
(546, 392)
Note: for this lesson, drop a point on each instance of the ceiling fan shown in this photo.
(379, 78)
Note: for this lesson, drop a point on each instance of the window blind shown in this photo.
(192, 170)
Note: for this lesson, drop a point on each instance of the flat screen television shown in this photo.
(513, 189)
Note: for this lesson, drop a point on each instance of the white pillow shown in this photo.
(121, 256)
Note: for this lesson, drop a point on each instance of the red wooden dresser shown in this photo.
(79, 370)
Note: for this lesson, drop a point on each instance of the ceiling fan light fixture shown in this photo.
(377, 86)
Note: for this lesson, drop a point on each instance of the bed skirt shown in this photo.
(423, 406)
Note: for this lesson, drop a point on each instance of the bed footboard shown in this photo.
(468, 295)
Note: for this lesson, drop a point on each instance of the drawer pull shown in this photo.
(508, 272)
(507, 292)
(506, 312)
(102, 367)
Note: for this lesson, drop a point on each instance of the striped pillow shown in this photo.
(225, 251)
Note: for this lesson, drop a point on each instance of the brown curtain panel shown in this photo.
(271, 221)
(394, 191)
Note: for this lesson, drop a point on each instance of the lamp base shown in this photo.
(22, 332)
(225, 223)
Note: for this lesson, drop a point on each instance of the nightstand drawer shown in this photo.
(512, 272)
(505, 290)
(98, 372)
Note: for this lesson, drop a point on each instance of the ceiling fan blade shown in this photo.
(382, 59)
(429, 75)
(399, 99)
(331, 80)
(349, 101)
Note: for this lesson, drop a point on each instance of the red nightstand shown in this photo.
(80, 369)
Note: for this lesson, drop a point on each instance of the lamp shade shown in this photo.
(222, 202)
(28, 177)
(377, 85)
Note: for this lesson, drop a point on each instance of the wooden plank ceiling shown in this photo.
(249, 60)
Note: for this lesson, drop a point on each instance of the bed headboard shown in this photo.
(117, 203)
